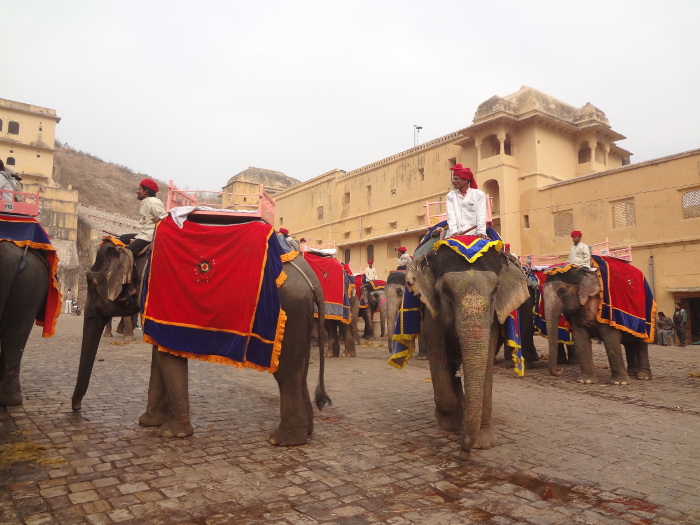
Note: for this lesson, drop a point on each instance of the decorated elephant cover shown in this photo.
(335, 283)
(26, 231)
(211, 293)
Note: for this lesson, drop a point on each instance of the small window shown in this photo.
(623, 214)
(421, 174)
(281, 221)
(319, 212)
(393, 192)
(0, 124)
(369, 193)
(584, 153)
(10, 161)
(490, 147)
(346, 258)
(526, 221)
(563, 223)
(346, 198)
(691, 204)
(13, 127)
(507, 147)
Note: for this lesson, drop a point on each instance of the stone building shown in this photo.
(27, 136)
(548, 168)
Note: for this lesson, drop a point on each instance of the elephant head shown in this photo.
(575, 292)
(394, 288)
(470, 301)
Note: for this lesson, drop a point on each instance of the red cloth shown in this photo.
(332, 277)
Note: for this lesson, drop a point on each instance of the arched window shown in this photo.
(507, 146)
(490, 147)
(347, 256)
(491, 189)
(584, 153)
(370, 252)
(10, 161)
(13, 127)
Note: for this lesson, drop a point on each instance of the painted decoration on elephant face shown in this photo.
(227, 310)
(27, 232)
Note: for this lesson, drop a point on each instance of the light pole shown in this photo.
(416, 130)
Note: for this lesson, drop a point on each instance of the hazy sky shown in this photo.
(198, 91)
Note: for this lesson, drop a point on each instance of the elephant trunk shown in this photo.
(552, 311)
(93, 324)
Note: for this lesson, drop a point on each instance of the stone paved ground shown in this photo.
(568, 453)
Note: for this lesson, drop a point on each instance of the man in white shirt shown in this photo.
(152, 210)
(580, 254)
(466, 205)
(370, 272)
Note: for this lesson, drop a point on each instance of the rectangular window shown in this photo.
(346, 198)
(691, 204)
(421, 173)
(563, 223)
(623, 215)
(526, 221)
(319, 212)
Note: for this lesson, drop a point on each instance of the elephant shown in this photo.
(107, 297)
(527, 333)
(464, 305)
(24, 281)
(168, 396)
(375, 299)
(577, 293)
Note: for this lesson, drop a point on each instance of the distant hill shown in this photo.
(106, 185)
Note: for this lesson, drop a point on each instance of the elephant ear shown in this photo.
(588, 287)
(119, 272)
(420, 280)
(512, 290)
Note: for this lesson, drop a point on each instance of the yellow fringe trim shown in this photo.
(286, 257)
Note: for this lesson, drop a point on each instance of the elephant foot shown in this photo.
(10, 400)
(619, 378)
(422, 356)
(486, 439)
(129, 338)
(587, 379)
(153, 419)
(329, 354)
(349, 354)
(449, 422)
(644, 375)
(106, 335)
(174, 428)
(284, 438)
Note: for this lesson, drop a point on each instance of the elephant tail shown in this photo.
(320, 396)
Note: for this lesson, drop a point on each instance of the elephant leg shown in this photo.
(175, 381)
(127, 324)
(486, 438)
(349, 339)
(572, 355)
(612, 338)
(382, 318)
(156, 413)
(638, 365)
(296, 411)
(447, 389)
(12, 351)
(584, 349)
(108, 329)
(333, 349)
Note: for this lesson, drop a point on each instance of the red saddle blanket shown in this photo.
(211, 293)
(26, 231)
(331, 274)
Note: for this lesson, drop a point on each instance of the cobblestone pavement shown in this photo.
(568, 453)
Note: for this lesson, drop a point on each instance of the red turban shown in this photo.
(370, 262)
(576, 233)
(150, 184)
(284, 231)
(401, 249)
(464, 173)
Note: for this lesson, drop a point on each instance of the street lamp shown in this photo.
(416, 130)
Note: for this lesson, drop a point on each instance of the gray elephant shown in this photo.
(24, 281)
(347, 332)
(464, 305)
(578, 294)
(125, 327)
(374, 297)
(108, 296)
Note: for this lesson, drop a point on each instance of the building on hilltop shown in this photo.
(243, 188)
(548, 167)
(27, 137)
